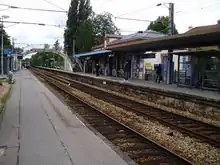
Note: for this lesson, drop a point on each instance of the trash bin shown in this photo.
(10, 77)
(146, 77)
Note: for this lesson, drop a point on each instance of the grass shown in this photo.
(2, 80)
(3, 100)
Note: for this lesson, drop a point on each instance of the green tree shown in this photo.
(46, 46)
(218, 23)
(47, 59)
(102, 25)
(161, 24)
(6, 38)
(78, 16)
(84, 37)
(18, 50)
(57, 46)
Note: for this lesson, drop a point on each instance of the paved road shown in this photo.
(38, 129)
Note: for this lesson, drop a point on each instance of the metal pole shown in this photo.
(171, 18)
(2, 38)
(178, 73)
(171, 32)
(74, 43)
(13, 54)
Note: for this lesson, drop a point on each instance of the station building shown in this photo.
(194, 54)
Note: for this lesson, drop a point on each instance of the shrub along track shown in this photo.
(205, 132)
(136, 146)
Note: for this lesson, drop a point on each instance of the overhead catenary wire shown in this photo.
(197, 9)
(133, 19)
(3, 9)
(55, 5)
(34, 9)
(10, 25)
(33, 23)
(138, 10)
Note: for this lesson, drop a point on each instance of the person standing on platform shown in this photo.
(126, 69)
(158, 73)
(97, 69)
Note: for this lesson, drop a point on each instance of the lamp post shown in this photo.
(171, 32)
(2, 44)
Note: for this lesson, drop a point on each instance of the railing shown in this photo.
(211, 81)
(78, 62)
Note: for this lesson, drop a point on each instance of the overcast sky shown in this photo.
(187, 13)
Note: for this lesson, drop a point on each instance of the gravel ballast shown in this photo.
(159, 106)
(190, 148)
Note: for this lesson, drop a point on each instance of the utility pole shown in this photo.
(13, 54)
(171, 32)
(2, 44)
(2, 40)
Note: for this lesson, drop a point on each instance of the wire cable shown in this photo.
(138, 10)
(4, 9)
(196, 10)
(36, 9)
(133, 19)
(11, 25)
(54, 5)
(34, 23)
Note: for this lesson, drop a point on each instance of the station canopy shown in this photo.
(92, 53)
(198, 53)
(200, 38)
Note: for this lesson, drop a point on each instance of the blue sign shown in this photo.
(7, 52)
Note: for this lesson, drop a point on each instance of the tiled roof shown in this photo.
(135, 37)
(145, 35)
(200, 29)
(114, 36)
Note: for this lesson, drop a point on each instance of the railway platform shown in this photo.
(39, 129)
(165, 87)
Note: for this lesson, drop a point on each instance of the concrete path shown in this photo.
(38, 129)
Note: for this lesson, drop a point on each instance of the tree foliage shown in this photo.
(48, 59)
(84, 27)
(78, 16)
(84, 37)
(56, 46)
(6, 38)
(18, 50)
(102, 25)
(46, 46)
(161, 24)
(218, 23)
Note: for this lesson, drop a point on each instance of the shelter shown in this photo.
(202, 69)
(133, 47)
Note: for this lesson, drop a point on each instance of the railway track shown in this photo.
(204, 132)
(140, 149)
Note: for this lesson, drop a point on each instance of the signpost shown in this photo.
(7, 52)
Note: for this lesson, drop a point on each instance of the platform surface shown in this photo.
(161, 86)
(38, 129)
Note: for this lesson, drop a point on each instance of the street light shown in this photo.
(164, 4)
(2, 44)
(171, 15)
(159, 4)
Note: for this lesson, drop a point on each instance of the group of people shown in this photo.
(126, 70)
(158, 71)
